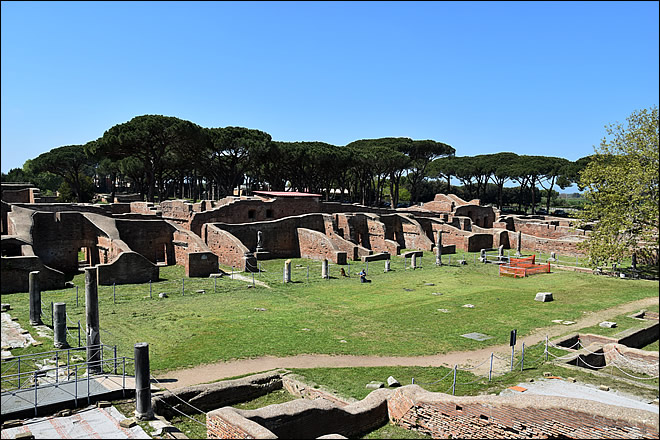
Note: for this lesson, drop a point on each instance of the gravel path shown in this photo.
(465, 359)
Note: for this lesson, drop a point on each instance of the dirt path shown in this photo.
(238, 276)
(465, 359)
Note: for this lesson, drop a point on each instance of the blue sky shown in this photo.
(540, 78)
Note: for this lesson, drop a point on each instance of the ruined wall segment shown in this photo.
(316, 245)
(15, 274)
(128, 268)
(525, 416)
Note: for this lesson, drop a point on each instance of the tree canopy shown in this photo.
(621, 188)
(70, 162)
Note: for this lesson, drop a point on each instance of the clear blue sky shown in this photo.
(528, 77)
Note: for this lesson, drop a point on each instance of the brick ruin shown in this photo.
(319, 413)
(129, 241)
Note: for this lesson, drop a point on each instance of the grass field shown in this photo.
(396, 314)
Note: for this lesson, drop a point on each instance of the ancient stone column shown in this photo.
(413, 261)
(287, 271)
(92, 325)
(500, 252)
(324, 269)
(143, 409)
(519, 245)
(387, 265)
(59, 325)
(438, 249)
(35, 298)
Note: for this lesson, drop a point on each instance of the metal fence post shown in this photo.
(76, 388)
(79, 333)
(57, 365)
(123, 376)
(546, 348)
(183, 287)
(35, 394)
(76, 296)
(115, 359)
(19, 372)
(89, 375)
(149, 288)
(490, 371)
(453, 385)
(522, 361)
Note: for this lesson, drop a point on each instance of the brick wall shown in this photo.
(57, 237)
(16, 270)
(301, 419)
(146, 208)
(316, 245)
(550, 229)
(566, 247)
(225, 423)
(150, 238)
(128, 268)
(229, 249)
(524, 416)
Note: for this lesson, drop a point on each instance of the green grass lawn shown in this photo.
(396, 314)
(623, 322)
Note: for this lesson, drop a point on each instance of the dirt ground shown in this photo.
(465, 359)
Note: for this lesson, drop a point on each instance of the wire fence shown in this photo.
(518, 362)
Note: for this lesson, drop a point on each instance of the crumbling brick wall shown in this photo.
(525, 416)
(128, 268)
(567, 246)
(316, 245)
(301, 419)
(150, 238)
(546, 229)
(16, 271)
(229, 249)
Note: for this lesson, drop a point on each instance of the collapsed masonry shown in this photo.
(320, 413)
(129, 241)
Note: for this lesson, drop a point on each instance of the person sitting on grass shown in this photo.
(343, 272)
(363, 277)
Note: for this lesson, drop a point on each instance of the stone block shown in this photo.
(392, 382)
(543, 297)
(607, 324)
(128, 423)
(374, 385)
(376, 257)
